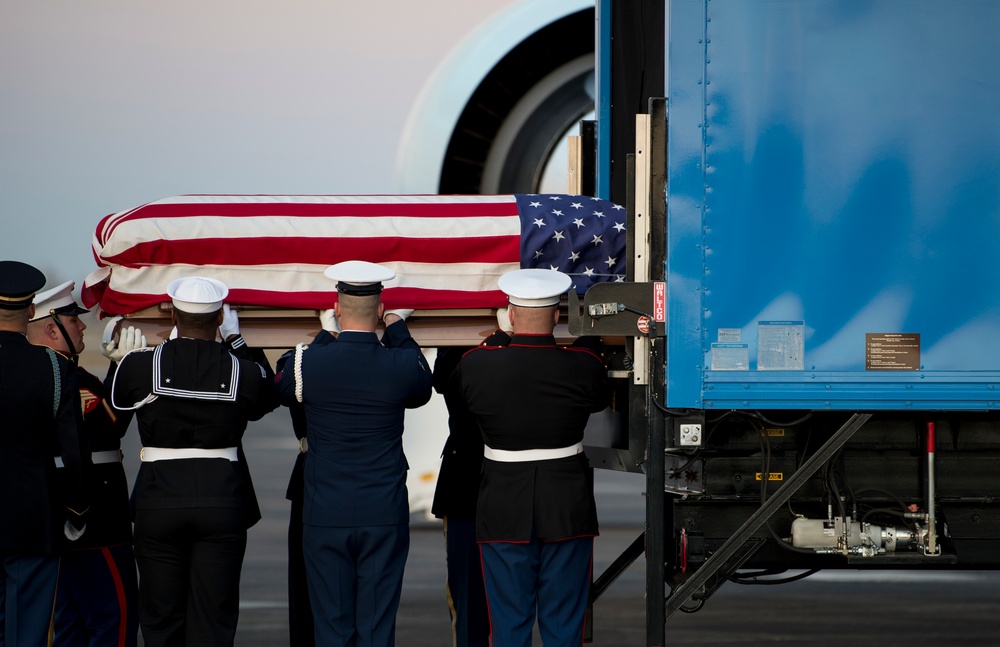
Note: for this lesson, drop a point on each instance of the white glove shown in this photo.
(128, 340)
(230, 322)
(503, 320)
(328, 320)
(402, 314)
(173, 333)
(71, 532)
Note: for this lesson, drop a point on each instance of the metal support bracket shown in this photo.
(618, 309)
(729, 549)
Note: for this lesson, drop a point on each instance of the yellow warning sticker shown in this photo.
(771, 476)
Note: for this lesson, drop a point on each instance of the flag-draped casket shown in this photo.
(271, 250)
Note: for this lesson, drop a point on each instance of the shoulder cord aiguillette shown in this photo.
(56, 382)
(298, 370)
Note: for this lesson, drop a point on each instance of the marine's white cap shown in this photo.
(197, 294)
(534, 288)
(359, 278)
(60, 299)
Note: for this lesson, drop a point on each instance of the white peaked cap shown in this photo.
(534, 288)
(197, 294)
(60, 299)
(359, 277)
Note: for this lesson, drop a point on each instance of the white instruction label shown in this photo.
(730, 357)
(730, 335)
(780, 345)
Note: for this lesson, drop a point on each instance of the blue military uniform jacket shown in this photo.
(355, 390)
(39, 424)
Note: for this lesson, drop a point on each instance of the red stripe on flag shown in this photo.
(428, 209)
(118, 303)
(319, 251)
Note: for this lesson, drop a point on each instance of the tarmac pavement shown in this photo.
(831, 608)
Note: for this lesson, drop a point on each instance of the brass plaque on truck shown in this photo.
(892, 351)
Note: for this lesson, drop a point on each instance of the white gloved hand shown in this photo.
(329, 321)
(71, 532)
(128, 340)
(230, 322)
(173, 333)
(402, 314)
(503, 320)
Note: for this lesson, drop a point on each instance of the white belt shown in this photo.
(150, 454)
(110, 456)
(521, 455)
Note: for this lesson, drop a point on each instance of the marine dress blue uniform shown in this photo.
(536, 519)
(355, 508)
(536, 516)
(96, 602)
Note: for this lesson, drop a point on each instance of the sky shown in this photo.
(108, 104)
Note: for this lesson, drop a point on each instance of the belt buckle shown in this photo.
(142, 454)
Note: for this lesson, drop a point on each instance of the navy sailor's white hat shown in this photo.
(59, 300)
(534, 288)
(197, 294)
(359, 278)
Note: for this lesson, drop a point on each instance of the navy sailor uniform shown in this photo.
(192, 514)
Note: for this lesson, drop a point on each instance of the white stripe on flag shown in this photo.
(471, 277)
(130, 233)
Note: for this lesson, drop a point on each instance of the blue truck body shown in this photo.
(822, 195)
(833, 204)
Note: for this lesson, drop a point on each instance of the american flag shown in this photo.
(271, 250)
(580, 236)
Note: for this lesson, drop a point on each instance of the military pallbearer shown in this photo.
(536, 517)
(354, 391)
(40, 407)
(96, 603)
(194, 499)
